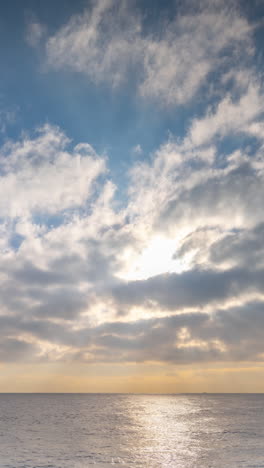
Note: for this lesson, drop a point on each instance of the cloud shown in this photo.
(39, 175)
(229, 335)
(243, 248)
(64, 258)
(109, 43)
(193, 288)
(210, 178)
(137, 150)
(16, 350)
(77, 280)
(101, 42)
(35, 32)
(176, 66)
(7, 118)
(229, 117)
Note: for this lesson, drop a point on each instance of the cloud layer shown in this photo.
(109, 41)
(174, 273)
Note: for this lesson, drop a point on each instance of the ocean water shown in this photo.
(104, 430)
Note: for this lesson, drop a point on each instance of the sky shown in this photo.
(132, 188)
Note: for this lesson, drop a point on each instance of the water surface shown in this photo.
(104, 430)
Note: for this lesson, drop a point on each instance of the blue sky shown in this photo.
(131, 165)
(112, 120)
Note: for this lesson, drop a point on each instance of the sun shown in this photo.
(156, 258)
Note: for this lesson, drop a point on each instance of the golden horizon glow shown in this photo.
(50, 378)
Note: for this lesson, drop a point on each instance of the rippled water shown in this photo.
(74, 430)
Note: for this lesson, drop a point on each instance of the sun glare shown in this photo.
(155, 259)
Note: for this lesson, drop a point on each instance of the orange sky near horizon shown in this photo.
(82, 378)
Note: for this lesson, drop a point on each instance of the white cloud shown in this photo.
(229, 117)
(108, 43)
(177, 65)
(101, 42)
(38, 175)
(193, 195)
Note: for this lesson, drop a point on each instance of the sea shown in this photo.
(128, 430)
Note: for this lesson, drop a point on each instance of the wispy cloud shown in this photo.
(108, 42)
(35, 31)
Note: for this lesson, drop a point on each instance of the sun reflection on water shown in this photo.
(165, 431)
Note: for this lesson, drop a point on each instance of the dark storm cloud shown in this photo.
(239, 193)
(30, 274)
(193, 288)
(13, 349)
(239, 330)
(235, 334)
(46, 330)
(61, 301)
(243, 248)
(65, 303)
(55, 291)
(97, 266)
